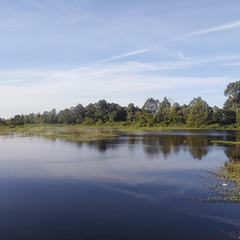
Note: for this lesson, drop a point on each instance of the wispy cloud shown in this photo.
(223, 27)
(218, 28)
(43, 90)
(124, 55)
(205, 31)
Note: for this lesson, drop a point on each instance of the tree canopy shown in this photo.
(232, 91)
(153, 113)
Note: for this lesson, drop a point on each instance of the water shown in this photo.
(118, 188)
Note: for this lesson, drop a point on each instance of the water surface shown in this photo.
(117, 188)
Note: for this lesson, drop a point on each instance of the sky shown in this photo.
(59, 53)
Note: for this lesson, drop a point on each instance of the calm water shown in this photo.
(119, 188)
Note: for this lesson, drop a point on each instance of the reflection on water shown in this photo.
(195, 142)
(233, 153)
(118, 188)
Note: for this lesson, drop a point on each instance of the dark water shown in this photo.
(120, 188)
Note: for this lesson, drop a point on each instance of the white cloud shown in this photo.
(223, 27)
(124, 55)
(40, 90)
(180, 54)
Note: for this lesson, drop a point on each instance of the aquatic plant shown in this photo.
(232, 235)
(224, 188)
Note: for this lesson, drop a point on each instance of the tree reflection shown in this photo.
(233, 153)
(103, 145)
(195, 142)
(197, 145)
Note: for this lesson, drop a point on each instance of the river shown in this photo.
(127, 187)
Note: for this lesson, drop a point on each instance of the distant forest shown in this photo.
(153, 113)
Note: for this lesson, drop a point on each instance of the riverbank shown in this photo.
(74, 133)
(83, 133)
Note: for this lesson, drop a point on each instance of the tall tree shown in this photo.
(90, 110)
(233, 93)
(223, 116)
(151, 105)
(176, 115)
(163, 111)
(65, 116)
(102, 111)
(131, 110)
(30, 118)
(116, 113)
(200, 114)
(2, 122)
(17, 120)
(79, 113)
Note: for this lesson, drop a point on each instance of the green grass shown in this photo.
(74, 133)
(78, 132)
(225, 142)
(87, 133)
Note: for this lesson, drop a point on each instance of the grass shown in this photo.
(74, 133)
(225, 142)
(88, 133)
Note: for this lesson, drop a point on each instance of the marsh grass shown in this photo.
(225, 142)
(74, 133)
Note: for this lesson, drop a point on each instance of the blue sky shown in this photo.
(58, 53)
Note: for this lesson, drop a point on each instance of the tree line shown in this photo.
(153, 113)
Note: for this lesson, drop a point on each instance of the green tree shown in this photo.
(30, 118)
(52, 116)
(131, 110)
(90, 117)
(65, 116)
(232, 91)
(151, 105)
(223, 116)
(163, 111)
(49, 117)
(176, 115)
(102, 111)
(2, 122)
(200, 114)
(17, 120)
(143, 118)
(116, 113)
(78, 114)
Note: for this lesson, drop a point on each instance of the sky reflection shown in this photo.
(108, 160)
(120, 188)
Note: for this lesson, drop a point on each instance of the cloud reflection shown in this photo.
(146, 160)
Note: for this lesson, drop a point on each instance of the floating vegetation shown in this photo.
(232, 235)
(225, 187)
(225, 142)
